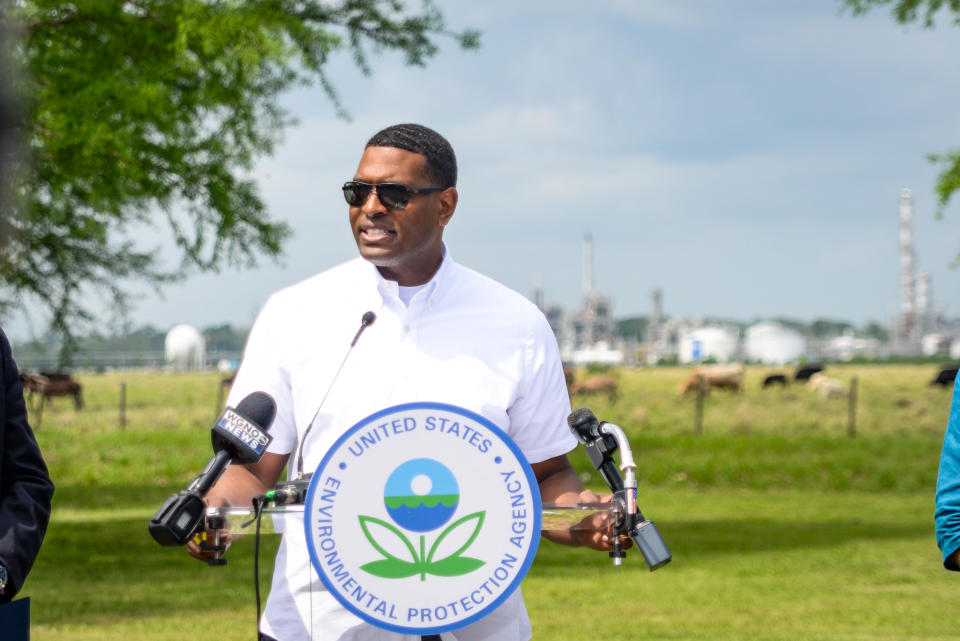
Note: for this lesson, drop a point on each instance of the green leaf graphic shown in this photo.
(454, 566)
(365, 520)
(391, 568)
(476, 516)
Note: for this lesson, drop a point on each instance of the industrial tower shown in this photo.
(907, 331)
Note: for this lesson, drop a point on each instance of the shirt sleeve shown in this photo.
(947, 514)
(262, 370)
(538, 417)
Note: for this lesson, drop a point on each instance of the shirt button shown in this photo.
(406, 328)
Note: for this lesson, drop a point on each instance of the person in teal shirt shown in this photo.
(947, 514)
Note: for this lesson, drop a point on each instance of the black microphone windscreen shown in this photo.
(368, 318)
(258, 407)
(580, 416)
(584, 425)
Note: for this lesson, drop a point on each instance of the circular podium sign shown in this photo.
(422, 518)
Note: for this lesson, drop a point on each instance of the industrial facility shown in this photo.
(921, 327)
(588, 334)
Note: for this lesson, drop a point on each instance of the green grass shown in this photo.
(759, 565)
(781, 525)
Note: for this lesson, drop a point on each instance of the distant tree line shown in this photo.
(635, 328)
(144, 340)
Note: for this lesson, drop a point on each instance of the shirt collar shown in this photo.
(434, 287)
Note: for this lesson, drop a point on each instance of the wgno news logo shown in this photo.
(422, 518)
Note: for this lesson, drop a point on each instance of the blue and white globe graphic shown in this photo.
(421, 494)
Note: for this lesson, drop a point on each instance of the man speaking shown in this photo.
(442, 333)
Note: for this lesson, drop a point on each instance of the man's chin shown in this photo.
(379, 256)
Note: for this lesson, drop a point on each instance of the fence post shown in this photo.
(40, 411)
(123, 405)
(852, 409)
(698, 417)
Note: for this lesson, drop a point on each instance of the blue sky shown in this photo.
(746, 156)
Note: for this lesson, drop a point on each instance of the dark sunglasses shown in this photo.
(392, 195)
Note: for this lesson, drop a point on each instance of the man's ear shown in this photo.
(448, 203)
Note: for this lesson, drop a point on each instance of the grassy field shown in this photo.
(781, 524)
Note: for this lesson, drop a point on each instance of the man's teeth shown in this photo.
(375, 232)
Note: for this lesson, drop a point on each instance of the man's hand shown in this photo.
(238, 485)
(196, 546)
(597, 530)
(560, 484)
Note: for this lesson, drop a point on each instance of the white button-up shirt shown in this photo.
(464, 339)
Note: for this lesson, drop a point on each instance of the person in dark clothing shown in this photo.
(25, 486)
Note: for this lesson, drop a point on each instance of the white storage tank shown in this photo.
(184, 348)
(935, 344)
(703, 343)
(774, 344)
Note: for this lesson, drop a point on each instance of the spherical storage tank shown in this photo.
(704, 343)
(184, 348)
(773, 343)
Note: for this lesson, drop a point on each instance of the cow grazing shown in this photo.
(721, 376)
(774, 379)
(599, 384)
(804, 373)
(826, 386)
(945, 377)
(47, 388)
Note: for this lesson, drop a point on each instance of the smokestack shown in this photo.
(908, 312)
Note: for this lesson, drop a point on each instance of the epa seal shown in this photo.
(422, 518)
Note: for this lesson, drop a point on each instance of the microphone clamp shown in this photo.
(290, 492)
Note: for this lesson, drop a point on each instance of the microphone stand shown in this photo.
(601, 442)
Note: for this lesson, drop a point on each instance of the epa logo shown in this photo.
(422, 518)
(421, 496)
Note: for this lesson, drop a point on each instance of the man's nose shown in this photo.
(371, 204)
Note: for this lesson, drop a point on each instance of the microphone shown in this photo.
(600, 445)
(365, 321)
(584, 425)
(239, 435)
(238, 432)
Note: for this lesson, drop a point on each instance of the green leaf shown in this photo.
(391, 568)
(366, 521)
(454, 566)
(476, 516)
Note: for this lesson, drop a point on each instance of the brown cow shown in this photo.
(721, 376)
(599, 384)
(47, 388)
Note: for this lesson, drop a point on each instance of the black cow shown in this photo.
(774, 379)
(804, 373)
(945, 377)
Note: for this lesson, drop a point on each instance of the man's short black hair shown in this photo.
(441, 161)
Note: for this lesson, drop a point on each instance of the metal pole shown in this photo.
(698, 419)
(852, 409)
(123, 405)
